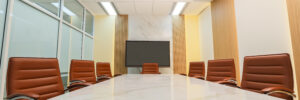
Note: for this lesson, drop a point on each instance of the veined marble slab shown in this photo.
(151, 28)
(160, 87)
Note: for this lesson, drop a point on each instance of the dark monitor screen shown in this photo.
(139, 52)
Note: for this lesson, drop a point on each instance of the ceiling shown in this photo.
(147, 7)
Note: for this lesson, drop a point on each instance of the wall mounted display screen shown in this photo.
(139, 52)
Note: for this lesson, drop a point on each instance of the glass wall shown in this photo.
(89, 23)
(29, 38)
(64, 60)
(50, 5)
(34, 33)
(73, 13)
(3, 5)
(88, 48)
(2, 14)
(76, 44)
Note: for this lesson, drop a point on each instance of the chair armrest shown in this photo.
(117, 75)
(77, 85)
(283, 90)
(103, 77)
(199, 77)
(229, 83)
(225, 82)
(77, 81)
(182, 74)
(229, 79)
(100, 78)
(29, 96)
(150, 73)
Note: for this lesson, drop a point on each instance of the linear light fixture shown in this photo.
(109, 8)
(178, 8)
(66, 10)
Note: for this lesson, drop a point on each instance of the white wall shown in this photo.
(263, 29)
(206, 36)
(151, 28)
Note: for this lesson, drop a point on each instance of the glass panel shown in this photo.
(88, 48)
(2, 14)
(64, 61)
(3, 4)
(50, 5)
(29, 36)
(73, 13)
(76, 44)
(89, 21)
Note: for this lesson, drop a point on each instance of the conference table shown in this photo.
(160, 87)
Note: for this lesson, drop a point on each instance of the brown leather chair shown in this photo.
(269, 74)
(35, 78)
(103, 69)
(197, 70)
(83, 70)
(150, 68)
(104, 72)
(221, 71)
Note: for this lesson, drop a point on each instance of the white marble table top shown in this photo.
(160, 87)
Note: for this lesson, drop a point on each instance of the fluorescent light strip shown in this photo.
(178, 8)
(109, 8)
(66, 10)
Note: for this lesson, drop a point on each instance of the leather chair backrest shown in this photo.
(103, 69)
(218, 70)
(267, 71)
(34, 75)
(150, 68)
(197, 68)
(83, 70)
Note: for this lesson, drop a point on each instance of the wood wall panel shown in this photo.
(121, 35)
(224, 32)
(179, 46)
(294, 17)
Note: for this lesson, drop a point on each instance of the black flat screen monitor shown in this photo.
(139, 52)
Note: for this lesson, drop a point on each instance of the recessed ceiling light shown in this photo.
(178, 8)
(66, 10)
(109, 8)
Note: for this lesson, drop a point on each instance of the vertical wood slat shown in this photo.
(294, 18)
(224, 32)
(179, 45)
(121, 35)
